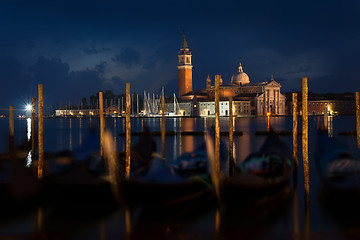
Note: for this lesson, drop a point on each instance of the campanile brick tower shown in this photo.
(185, 69)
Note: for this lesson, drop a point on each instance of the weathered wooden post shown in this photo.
(231, 134)
(11, 128)
(163, 126)
(41, 131)
(217, 124)
(305, 138)
(294, 100)
(305, 146)
(128, 130)
(357, 118)
(102, 124)
(296, 203)
(33, 106)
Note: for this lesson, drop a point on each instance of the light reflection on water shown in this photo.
(70, 135)
(29, 159)
(28, 128)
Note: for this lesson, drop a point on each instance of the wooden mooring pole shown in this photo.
(231, 134)
(40, 131)
(305, 139)
(102, 124)
(295, 175)
(305, 152)
(217, 124)
(163, 127)
(357, 118)
(128, 130)
(294, 100)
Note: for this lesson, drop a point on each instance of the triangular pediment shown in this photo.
(273, 83)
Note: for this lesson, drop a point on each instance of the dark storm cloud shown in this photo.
(101, 67)
(289, 39)
(50, 70)
(92, 50)
(128, 57)
(18, 86)
(62, 84)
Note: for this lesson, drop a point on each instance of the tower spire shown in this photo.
(184, 42)
(184, 68)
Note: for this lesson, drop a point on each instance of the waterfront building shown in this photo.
(76, 112)
(112, 110)
(249, 98)
(318, 104)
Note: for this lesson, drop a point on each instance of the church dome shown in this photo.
(240, 78)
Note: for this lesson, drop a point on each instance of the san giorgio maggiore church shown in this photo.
(248, 98)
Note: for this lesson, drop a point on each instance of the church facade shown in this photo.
(248, 98)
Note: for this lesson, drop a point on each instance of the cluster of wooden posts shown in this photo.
(217, 129)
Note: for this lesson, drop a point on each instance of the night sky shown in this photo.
(76, 48)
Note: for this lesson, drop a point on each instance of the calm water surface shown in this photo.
(186, 222)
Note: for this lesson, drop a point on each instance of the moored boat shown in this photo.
(339, 170)
(264, 176)
(187, 178)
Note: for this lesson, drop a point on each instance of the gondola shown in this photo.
(264, 176)
(339, 170)
(185, 179)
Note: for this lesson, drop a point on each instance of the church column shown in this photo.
(278, 101)
(268, 101)
(264, 103)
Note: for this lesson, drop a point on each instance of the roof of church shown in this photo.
(246, 95)
(197, 93)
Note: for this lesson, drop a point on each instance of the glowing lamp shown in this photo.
(28, 107)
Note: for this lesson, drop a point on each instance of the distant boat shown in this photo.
(176, 109)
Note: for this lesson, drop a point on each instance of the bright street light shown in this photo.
(28, 107)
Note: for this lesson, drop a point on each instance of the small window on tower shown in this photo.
(187, 60)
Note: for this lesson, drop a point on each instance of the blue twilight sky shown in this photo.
(76, 48)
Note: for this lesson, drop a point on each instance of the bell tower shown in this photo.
(184, 68)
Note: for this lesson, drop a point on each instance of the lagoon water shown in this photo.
(202, 221)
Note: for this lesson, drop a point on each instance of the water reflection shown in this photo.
(180, 142)
(70, 135)
(29, 137)
(188, 144)
(114, 133)
(40, 219)
(29, 159)
(330, 126)
(61, 133)
(243, 146)
(28, 128)
(127, 223)
(102, 230)
(80, 132)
